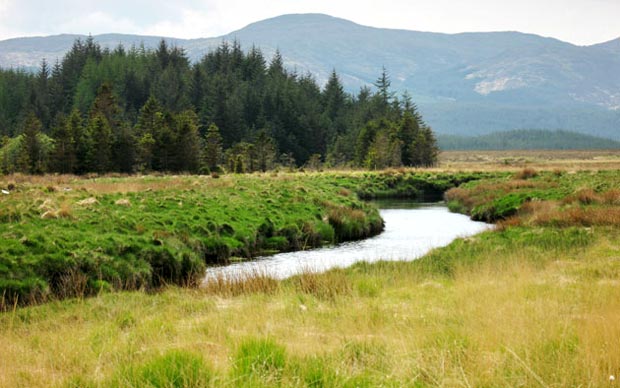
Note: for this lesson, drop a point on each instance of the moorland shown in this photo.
(532, 303)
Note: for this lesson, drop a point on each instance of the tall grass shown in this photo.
(231, 285)
(521, 307)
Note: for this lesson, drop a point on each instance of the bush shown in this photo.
(526, 173)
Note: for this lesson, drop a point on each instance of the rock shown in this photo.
(48, 204)
(123, 202)
(88, 201)
(48, 215)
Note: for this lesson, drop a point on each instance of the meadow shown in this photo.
(67, 236)
(533, 303)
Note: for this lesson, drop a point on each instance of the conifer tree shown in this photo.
(31, 159)
(63, 157)
(213, 147)
(188, 144)
(101, 152)
(82, 142)
(265, 151)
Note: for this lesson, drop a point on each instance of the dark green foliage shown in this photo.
(150, 110)
(64, 155)
(32, 158)
(188, 144)
(101, 152)
(213, 148)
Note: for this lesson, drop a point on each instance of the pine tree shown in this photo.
(276, 66)
(265, 151)
(149, 120)
(188, 144)
(32, 159)
(63, 157)
(383, 84)
(408, 131)
(101, 152)
(40, 95)
(213, 148)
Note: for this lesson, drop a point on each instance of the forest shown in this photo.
(134, 110)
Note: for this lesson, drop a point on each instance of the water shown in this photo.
(411, 231)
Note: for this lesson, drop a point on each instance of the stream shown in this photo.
(411, 230)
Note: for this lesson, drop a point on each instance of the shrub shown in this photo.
(526, 173)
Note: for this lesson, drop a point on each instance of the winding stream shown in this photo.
(411, 231)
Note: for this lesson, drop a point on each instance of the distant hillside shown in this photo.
(526, 140)
(465, 84)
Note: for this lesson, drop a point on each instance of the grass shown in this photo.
(519, 307)
(145, 232)
(65, 236)
(534, 303)
(548, 160)
(577, 193)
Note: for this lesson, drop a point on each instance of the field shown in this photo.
(534, 303)
(568, 160)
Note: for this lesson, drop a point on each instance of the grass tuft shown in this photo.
(174, 369)
(254, 283)
(324, 286)
(526, 173)
(261, 361)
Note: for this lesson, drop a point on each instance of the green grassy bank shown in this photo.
(66, 236)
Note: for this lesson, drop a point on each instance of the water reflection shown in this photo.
(411, 230)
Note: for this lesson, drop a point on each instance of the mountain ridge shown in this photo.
(469, 83)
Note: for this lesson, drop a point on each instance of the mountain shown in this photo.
(526, 139)
(466, 84)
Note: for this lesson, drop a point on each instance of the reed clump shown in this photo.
(234, 285)
(327, 286)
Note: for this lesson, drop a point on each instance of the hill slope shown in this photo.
(471, 83)
(531, 139)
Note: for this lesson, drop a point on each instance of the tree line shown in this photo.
(138, 110)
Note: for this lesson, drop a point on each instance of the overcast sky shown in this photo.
(576, 21)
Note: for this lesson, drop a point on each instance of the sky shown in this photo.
(581, 22)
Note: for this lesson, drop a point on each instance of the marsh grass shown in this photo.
(254, 283)
(326, 286)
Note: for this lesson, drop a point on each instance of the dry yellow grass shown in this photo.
(551, 321)
(548, 160)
